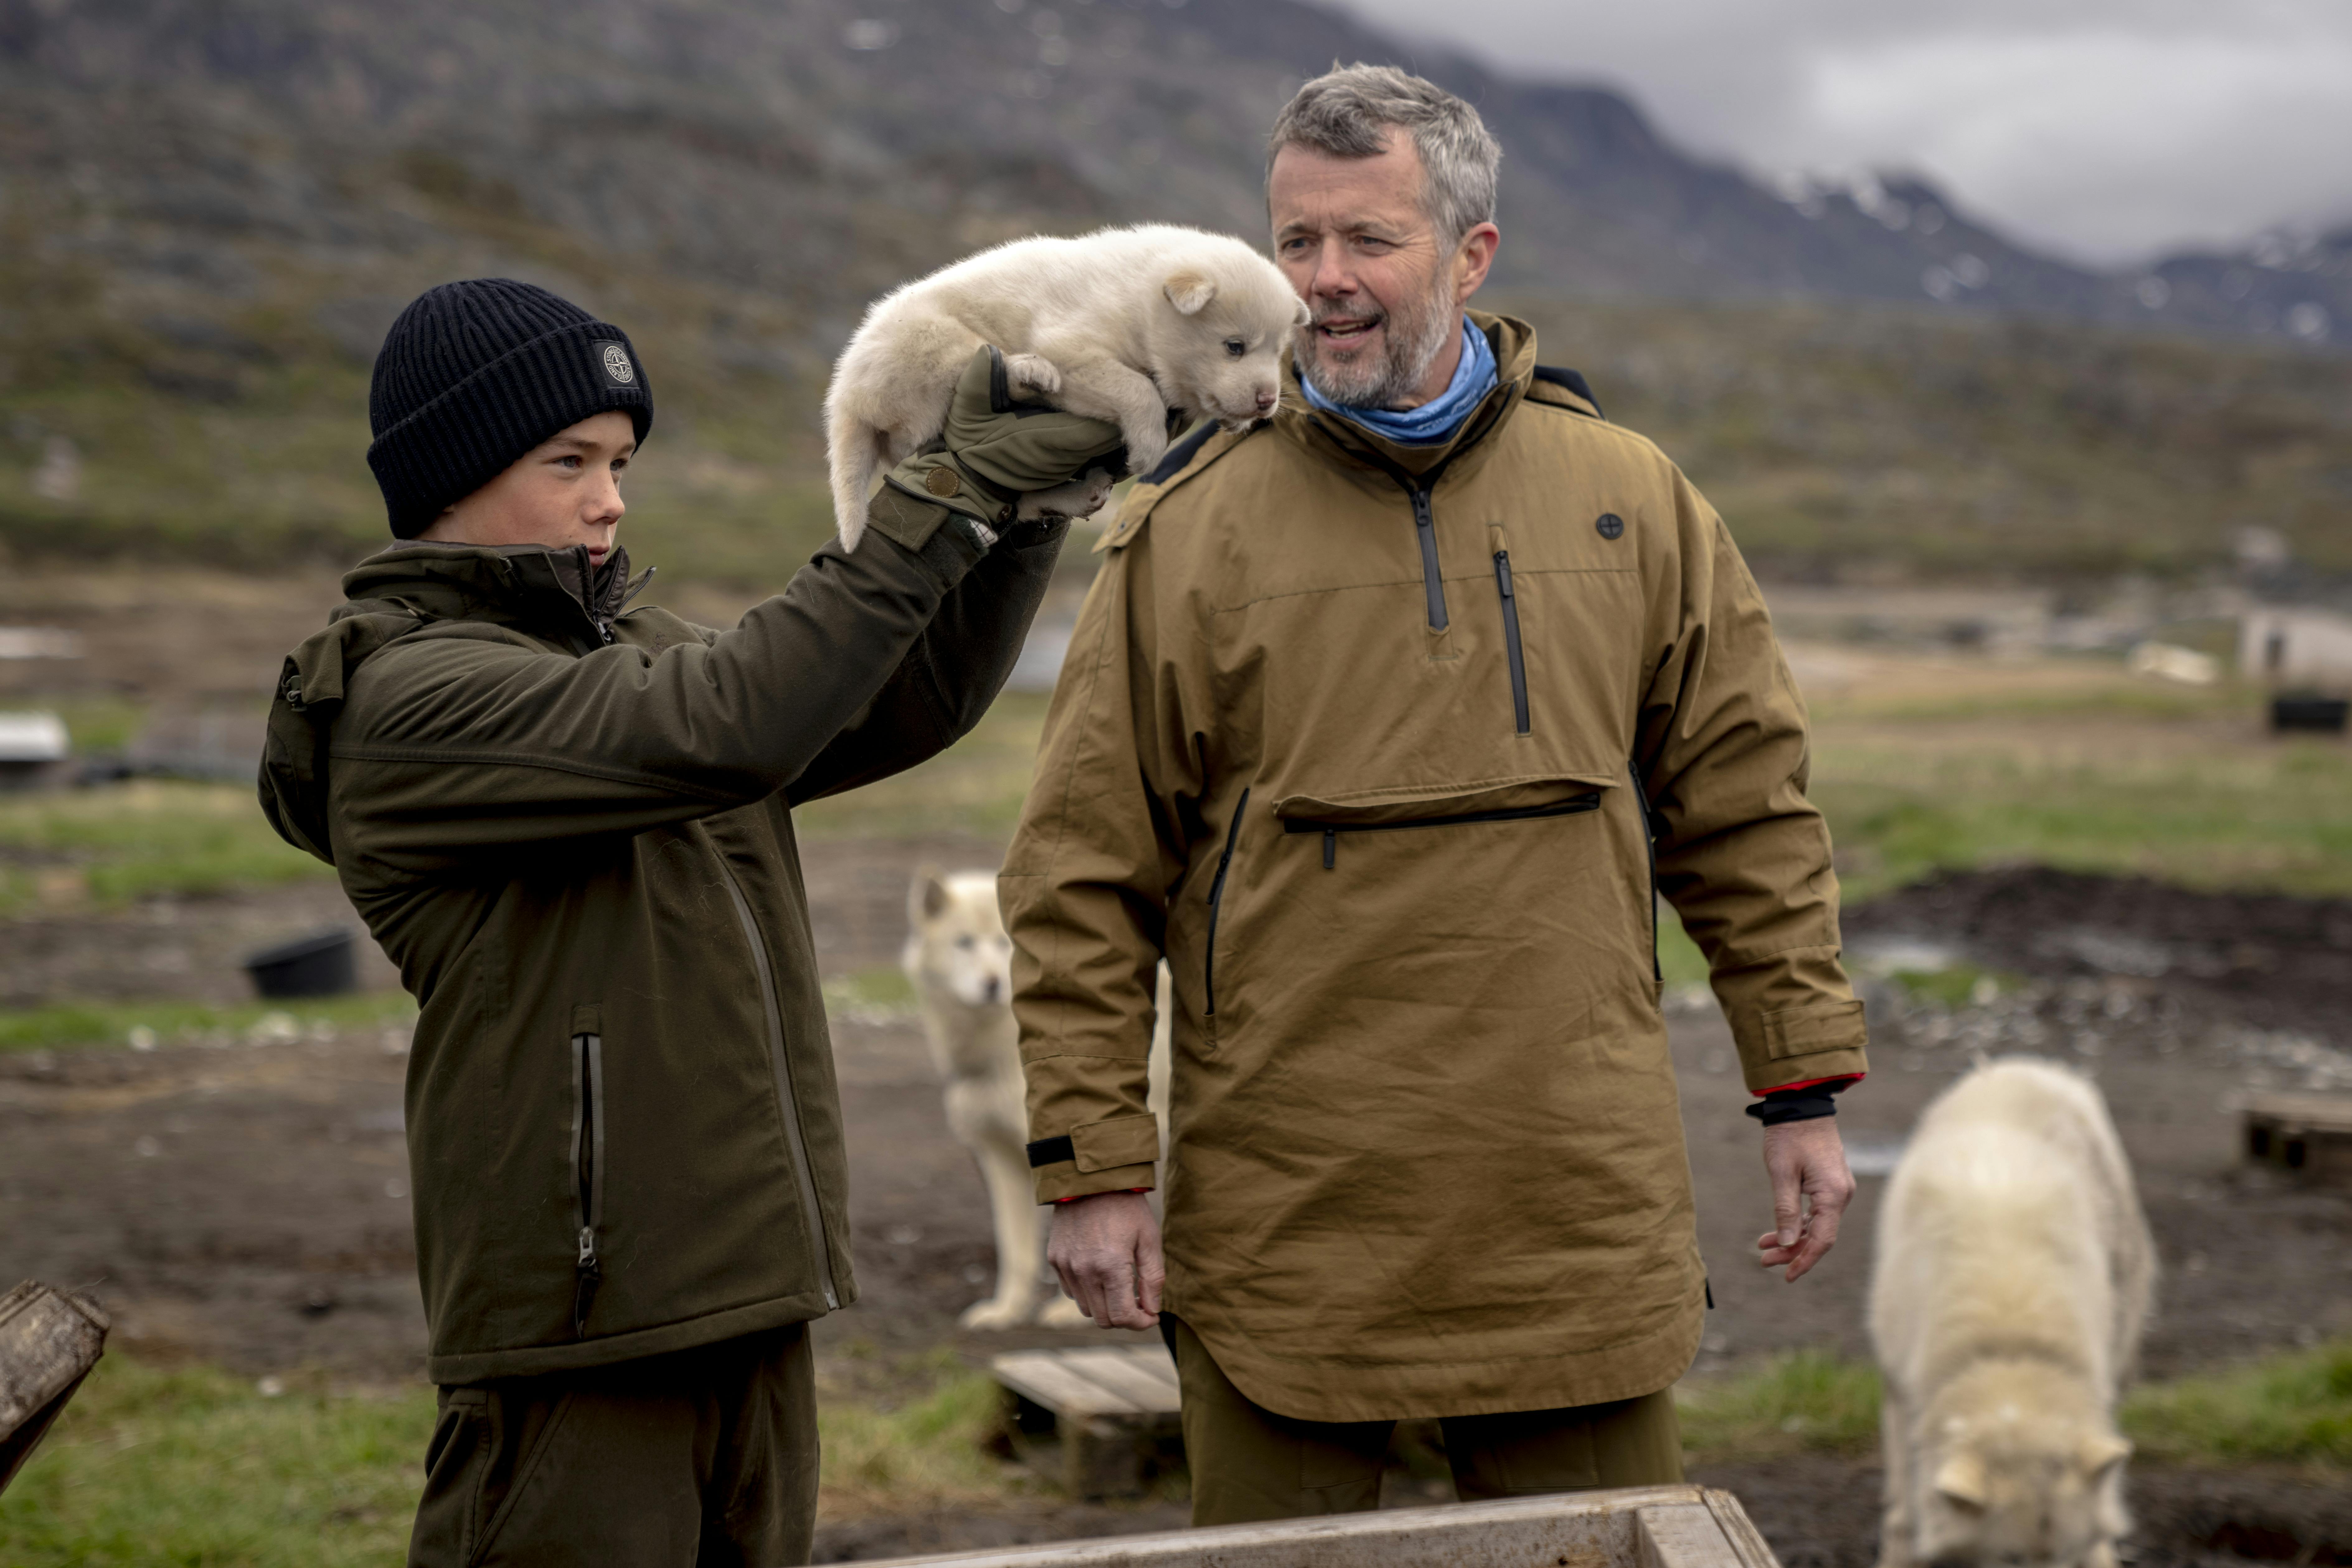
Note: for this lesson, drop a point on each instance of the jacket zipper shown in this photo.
(587, 1171)
(1425, 524)
(786, 1101)
(1216, 902)
(1332, 830)
(1511, 642)
(1648, 842)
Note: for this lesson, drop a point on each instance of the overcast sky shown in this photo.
(2108, 129)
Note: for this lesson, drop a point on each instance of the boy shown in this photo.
(569, 823)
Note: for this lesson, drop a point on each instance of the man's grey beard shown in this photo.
(1392, 377)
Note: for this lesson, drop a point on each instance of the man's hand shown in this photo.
(1805, 1160)
(1107, 1250)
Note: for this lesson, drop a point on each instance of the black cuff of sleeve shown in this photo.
(1806, 1104)
(1051, 1151)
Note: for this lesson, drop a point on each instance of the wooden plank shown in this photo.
(1115, 1370)
(48, 1342)
(1747, 1541)
(1561, 1529)
(1155, 1361)
(1039, 1375)
(1682, 1535)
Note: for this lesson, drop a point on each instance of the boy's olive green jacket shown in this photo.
(569, 823)
(1370, 739)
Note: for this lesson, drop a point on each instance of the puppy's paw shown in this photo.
(994, 1313)
(1146, 445)
(1079, 498)
(1035, 372)
(1061, 1312)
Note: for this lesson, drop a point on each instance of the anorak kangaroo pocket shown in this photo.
(1414, 901)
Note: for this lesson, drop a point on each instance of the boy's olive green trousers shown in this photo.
(704, 1458)
(1250, 1464)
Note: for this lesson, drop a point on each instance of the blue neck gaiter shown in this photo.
(1437, 419)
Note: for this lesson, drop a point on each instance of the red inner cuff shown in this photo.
(1811, 1082)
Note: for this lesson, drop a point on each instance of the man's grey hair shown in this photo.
(1348, 112)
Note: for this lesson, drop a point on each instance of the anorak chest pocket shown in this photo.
(586, 1172)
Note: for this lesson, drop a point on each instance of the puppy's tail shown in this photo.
(854, 455)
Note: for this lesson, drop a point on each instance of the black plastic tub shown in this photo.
(318, 964)
(2309, 711)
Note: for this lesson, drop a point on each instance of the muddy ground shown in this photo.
(246, 1203)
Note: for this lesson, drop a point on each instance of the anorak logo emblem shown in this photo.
(617, 366)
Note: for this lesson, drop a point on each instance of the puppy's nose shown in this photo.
(991, 989)
(1266, 399)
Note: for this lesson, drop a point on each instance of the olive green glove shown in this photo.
(997, 463)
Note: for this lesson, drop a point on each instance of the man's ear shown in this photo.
(1188, 292)
(928, 899)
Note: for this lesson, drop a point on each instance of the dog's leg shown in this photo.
(1106, 389)
(1035, 372)
(1013, 1206)
(1895, 1520)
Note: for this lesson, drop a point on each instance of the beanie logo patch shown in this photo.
(615, 360)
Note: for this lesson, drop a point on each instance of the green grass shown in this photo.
(193, 1467)
(116, 844)
(2257, 815)
(2294, 1407)
(974, 787)
(1807, 1400)
(2291, 1409)
(72, 1024)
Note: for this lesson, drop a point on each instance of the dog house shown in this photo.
(2296, 648)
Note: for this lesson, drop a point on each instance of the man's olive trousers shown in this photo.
(704, 1458)
(1250, 1464)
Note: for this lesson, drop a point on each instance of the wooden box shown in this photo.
(1640, 1527)
(48, 1342)
(2307, 1134)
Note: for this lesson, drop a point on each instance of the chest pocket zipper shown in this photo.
(1522, 720)
(1216, 903)
(587, 1171)
(1331, 831)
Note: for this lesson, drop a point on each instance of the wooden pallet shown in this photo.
(2307, 1134)
(1639, 1527)
(1098, 1421)
(48, 1342)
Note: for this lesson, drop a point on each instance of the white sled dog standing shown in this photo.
(1120, 325)
(2013, 1276)
(961, 963)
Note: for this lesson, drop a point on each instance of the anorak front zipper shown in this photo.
(1433, 582)
(787, 1102)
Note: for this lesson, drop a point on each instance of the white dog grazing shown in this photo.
(961, 962)
(1120, 325)
(2013, 1275)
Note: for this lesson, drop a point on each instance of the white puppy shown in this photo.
(961, 962)
(2013, 1276)
(1120, 325)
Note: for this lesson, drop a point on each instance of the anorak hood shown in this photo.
(544, 592)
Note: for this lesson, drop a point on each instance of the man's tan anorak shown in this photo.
(1427, 1158)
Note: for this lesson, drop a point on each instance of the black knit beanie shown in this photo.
(475, 374)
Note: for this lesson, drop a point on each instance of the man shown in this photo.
(1372, 725)
(569, 824)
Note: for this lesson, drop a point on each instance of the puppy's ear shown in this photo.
(1302, 315)
(1188, 292)
(2101, 1453)
(1961, 1479)
(928, 899)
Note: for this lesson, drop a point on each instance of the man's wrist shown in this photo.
(1800, 1102)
